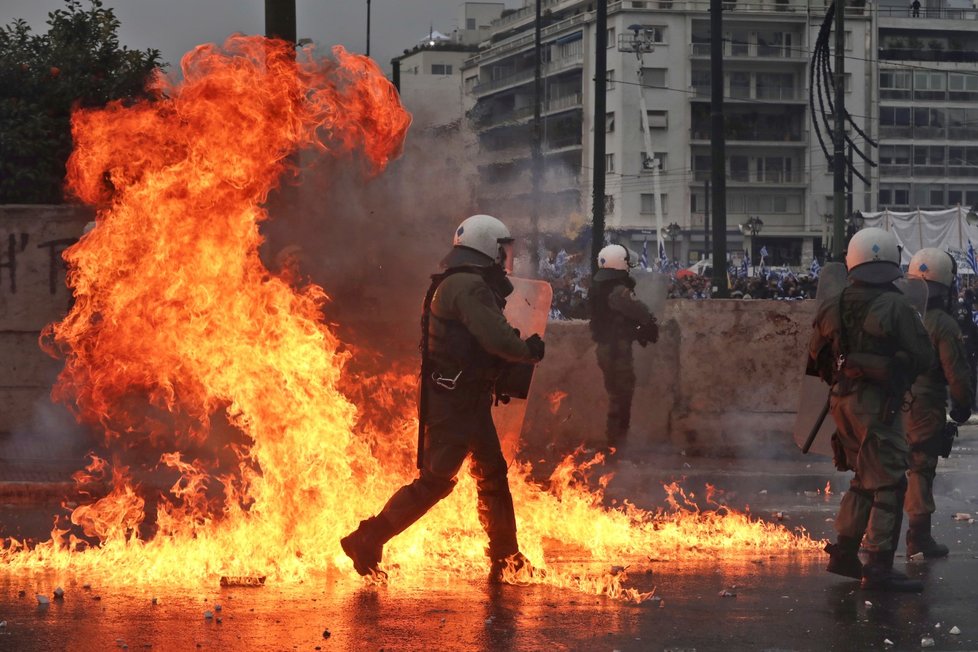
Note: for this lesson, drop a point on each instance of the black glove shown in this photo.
(646, 333)
(536, 346)
(960, 413)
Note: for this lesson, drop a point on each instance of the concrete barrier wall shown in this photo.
(32, 294)
(723, 379)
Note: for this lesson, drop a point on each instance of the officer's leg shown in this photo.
(626, 390)
(606, 362)
(445, 448)
(925, 425)
(489, 469)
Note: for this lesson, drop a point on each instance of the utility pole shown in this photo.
(280, 19)
(368, 28)
(598, 122)
(706, 221)
(640, 45)
(839, 157)
(537, 156)
(718, 154)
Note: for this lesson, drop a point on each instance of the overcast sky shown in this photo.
(176, 26)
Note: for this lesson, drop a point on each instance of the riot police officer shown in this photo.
(928, 432)
(466, 342)
(618, 318)
(869, 344)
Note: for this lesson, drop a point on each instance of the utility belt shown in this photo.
(508, 380)
(854, 370)
(462, 379)
(940, 444)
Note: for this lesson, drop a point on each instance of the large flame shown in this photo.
(181, 343)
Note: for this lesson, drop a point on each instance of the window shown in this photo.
(648, 203)
(441, 69)
(928, 123)
(653, 34)
(609, 122)
(928, 160)
(895, 122)
(609, 163)
(609, 80)
(611, 37)
(655, 77)
(646, 163)
(658, 119)
(962, 86)
(892, 194)
(774, 44)
(962, 161)
(739, 85)
(895, 159)
(470, 23)
(929, 85)
(774, 86)
(739, 168)
(848, 39)
(928, 195)
(895, 84)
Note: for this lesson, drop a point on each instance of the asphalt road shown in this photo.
(778, 603)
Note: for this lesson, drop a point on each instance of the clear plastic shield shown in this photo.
(815, 393)
(652, 288)
(915, 289)
(527, 309)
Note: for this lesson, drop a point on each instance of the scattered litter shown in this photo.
(21, 593)
(3, 624)
(937, 626)
(489, 620)
(763, 492)
(59, 593)
(219, 621)
(887, 641)
(242, 580)
(916, 556)
(782, 516)
(119, 641)
(962, 516)
(442, 621)
(927, 641)
(326, 633)
(96, 597)
(687, 465)
(217, 607)
(618, 570)
(954, 630)
(727, 594)
(87, 586)
(868, 603)
(757, 561)
(43, 599)
(829, 520)
(208, 614)
(156, 600)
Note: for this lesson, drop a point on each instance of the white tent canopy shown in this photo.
(945, 229)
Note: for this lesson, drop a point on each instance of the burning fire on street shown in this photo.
(182, 343)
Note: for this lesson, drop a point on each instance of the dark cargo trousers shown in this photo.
(924, 423)
(615, 361)
(459, 422)
(877, 452)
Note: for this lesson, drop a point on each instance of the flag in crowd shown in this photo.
(971, 258)
(815, 268)
(643, 260)
(663, 259)
(764, 255)
(745, 263)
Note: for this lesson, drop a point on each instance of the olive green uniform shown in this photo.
(615, 314)
(927, 416)
(468, 339)
(880, 321)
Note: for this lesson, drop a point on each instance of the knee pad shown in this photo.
(495, 482)
(438, 486)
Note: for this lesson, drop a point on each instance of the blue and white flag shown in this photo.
(745, 263)
(971, 258)
(764, 255)
(663, 259)
(815, 267)
(643, 260)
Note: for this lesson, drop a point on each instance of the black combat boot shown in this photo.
(517, 562)
(919, 539)
(365, 546)
(878, 575)
(844, 558)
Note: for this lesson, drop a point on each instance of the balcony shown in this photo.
(734, 92)
(762, 178)
(525, 76)
(520, 114)
(734, 50)
(751, 136)
(921, 54)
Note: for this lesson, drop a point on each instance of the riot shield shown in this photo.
(815, 393)
(915, 289)
(527, 309)
(652, 288)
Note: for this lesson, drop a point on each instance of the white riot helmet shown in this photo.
(873, 256)
(483, 234)
(614, 257)
(932, 265)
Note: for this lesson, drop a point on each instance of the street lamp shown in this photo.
(751, 228)
(672, 232)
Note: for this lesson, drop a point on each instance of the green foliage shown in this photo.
(78, 63)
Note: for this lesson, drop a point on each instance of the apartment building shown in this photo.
(928, 106)
(776, 171)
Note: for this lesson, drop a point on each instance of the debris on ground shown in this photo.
(927, 641)
(156, 600)
(782, 516)
(954, 630)
(618, 570)
(3, 624)
(43, 599)
(208, 614)
(242, 580)
(916, 557)
(762, 492)
(217, 606)
(868, 603)
(727, 594)
(962, 516)
(87, 586)
(59, 593)
(326, 633)
(887, 641)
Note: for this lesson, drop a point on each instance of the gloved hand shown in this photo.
(960, 413)
(647, 333)
(537, 348)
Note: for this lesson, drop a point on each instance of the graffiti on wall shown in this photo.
(13, 251)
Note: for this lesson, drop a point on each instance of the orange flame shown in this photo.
(182, 343)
